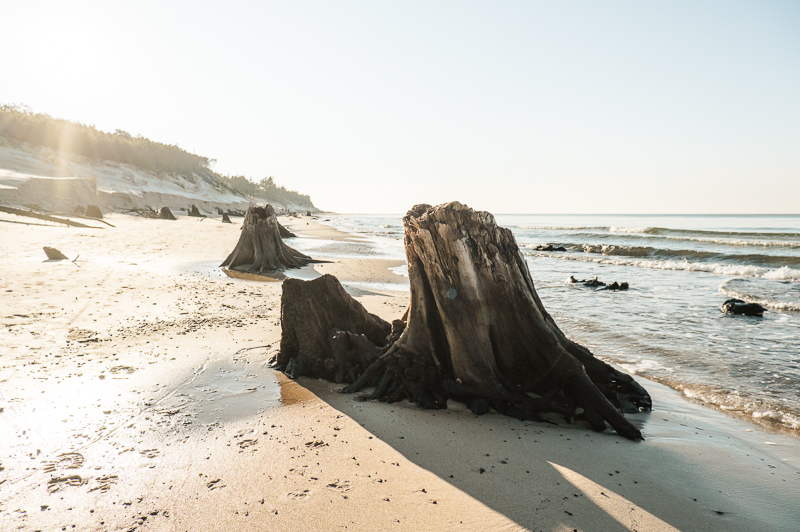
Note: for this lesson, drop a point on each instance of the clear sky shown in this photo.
(511, 107)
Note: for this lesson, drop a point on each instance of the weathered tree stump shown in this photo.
(195, 212)
(476, 332)
(166, 214)
(260, 248)
(226, 219)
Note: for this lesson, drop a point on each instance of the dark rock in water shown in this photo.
(737, 306)
(550, 247)
(54, 254)
(615, 286)
(594, 283)
(166, 214)
(93, 211)
(195, 212)
(225, 219)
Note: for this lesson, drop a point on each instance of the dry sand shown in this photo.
(135, 395)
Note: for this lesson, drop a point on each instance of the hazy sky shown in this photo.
(374, 106)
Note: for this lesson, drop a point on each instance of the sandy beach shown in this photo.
(135, 394)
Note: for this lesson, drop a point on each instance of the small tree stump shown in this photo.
(225, 218)
(195, 212)
(166, 214)
(93, 211)
(54, 254)
(260, 247)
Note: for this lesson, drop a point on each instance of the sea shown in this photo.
(668, 326)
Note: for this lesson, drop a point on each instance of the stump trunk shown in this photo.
(477, 332)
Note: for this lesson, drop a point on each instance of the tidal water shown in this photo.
(668, 326)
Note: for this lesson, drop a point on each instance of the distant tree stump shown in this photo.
(225, 218)
(260, 248)
(93, 211)
(476, 332)
(166, 214)
(195, 212)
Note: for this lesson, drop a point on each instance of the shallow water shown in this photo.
(668, 326)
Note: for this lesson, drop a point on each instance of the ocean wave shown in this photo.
(730, 238)
(778, 274)
(690, 255)
(757, 408)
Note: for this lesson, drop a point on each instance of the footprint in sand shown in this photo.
(122, 369)
(244, 444)
(150, 453)
(64, 461)
(57, 483)
(104, 483)
(215, 484)
(299, 495)
(339, 485)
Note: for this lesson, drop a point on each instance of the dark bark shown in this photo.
(166, 214)
(225, 219)
(195, 212)
(476, 332)
(313, 316)
(260, 248)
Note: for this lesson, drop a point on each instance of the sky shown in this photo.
(507, 106)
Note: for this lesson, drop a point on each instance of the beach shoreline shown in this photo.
(135, 388)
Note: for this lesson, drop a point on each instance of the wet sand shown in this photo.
(135, 395)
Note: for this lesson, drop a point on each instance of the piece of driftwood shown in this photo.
(195, 212)
(225, 218)
(260, 247)
(475, 331)
(38, 216)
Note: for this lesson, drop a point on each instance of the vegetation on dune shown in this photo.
(20, 123)
(267, 190)
(65, 136)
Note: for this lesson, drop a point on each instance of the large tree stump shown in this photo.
(260, 248)
(476, 332)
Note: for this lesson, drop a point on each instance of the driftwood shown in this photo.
(475, 331)
(195, 212)
(166, 214)
(260, 248)
(225, 218)
(38, 216)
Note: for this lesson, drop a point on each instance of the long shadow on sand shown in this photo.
(556, 477)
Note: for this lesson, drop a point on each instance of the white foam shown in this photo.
(783, 273)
